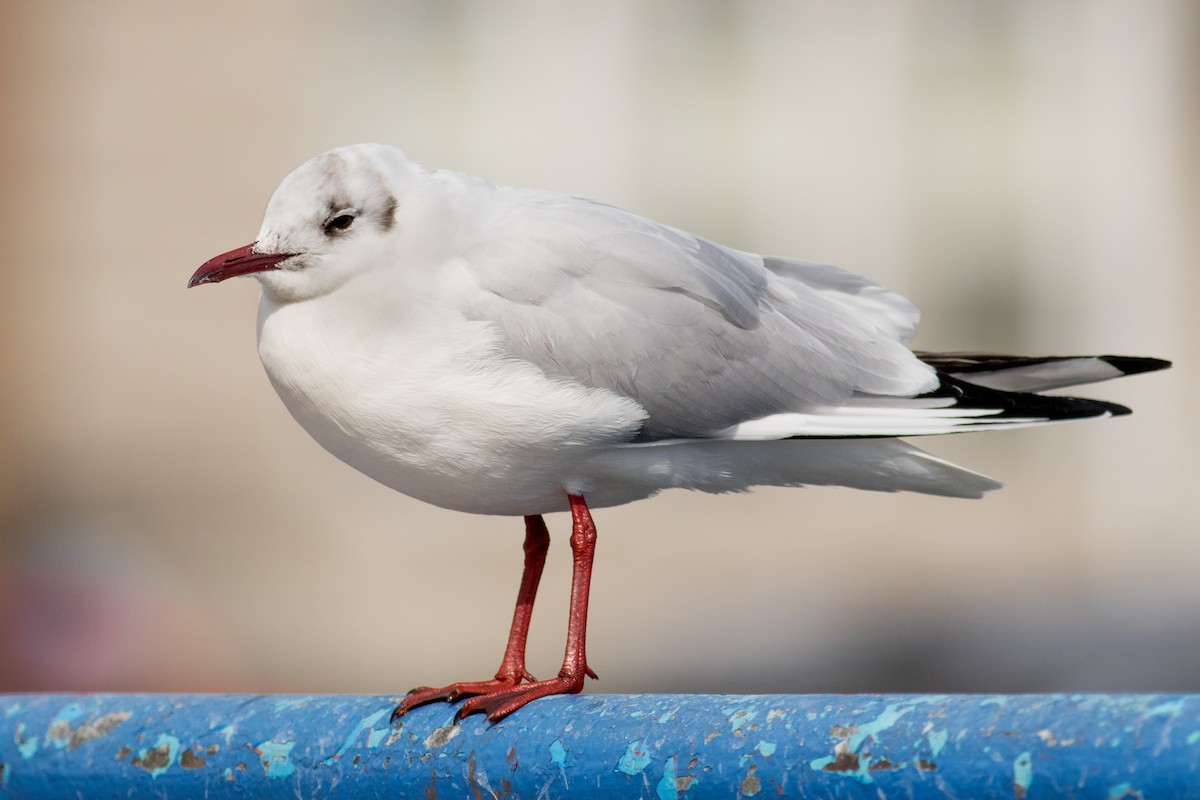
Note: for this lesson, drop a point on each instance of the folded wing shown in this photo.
(702, 336)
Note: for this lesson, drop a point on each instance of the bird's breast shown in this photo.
(433, 411)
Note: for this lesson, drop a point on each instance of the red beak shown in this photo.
(242, 261)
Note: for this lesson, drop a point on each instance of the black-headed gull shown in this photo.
(506, 351)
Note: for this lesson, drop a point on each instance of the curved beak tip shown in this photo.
(241, 261)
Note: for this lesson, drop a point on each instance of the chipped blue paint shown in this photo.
(849, 757)
(66, 715)
(668, 787)
(1022, 774)
(237, 746)
(740, 718)
(148, 762)
(635, 758)
(69, 713)
(276, 758)
(937, 740)
(27, 746)
(558, 754)
(1170, 707)
(889, 717)
(288, 703)
(367, 724)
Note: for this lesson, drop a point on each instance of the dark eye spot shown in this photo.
(339, 223)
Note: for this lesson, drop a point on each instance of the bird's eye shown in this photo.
(339, 223)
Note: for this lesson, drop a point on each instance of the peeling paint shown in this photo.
(68, 713)
(668, 787)
(289, 703)
(901, 744)
(1047, 736)
(439, 736)
(477, 778)
(558, 755)
(635, 759)
(27, 746)
(276, 758)
(364, 724)
(846, 758)
(1124, 790)
(158, 759)
(890, 716)
(751, 784)
(1022, 775)
(1169, 708)
(740, 718)
(61, 734)
(840, 762)
(937, 740)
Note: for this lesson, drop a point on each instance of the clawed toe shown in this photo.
(498, 705)
(423, 695)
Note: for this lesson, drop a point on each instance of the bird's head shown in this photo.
(331, 219)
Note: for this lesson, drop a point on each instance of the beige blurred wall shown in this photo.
(1025, 171)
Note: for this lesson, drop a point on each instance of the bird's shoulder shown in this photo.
(553, 252)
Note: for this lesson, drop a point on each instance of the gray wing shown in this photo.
(702, 336)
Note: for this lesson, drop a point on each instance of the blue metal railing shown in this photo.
(604, 746)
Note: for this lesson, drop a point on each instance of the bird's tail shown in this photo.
(1036, 373)
(976, 392)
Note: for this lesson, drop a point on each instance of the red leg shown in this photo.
(500, 704)
(512, 666)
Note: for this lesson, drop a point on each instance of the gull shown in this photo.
(496, 350)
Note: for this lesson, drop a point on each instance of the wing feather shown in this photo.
(702, 336)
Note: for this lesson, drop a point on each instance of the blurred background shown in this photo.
(1028, 173)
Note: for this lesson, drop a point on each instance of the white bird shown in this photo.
(505, 351)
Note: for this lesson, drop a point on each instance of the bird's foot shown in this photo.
(423, 695)
(499, 704)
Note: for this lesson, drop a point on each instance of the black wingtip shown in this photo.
(1023, 404)
(1132, 365)
(1119, 411)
